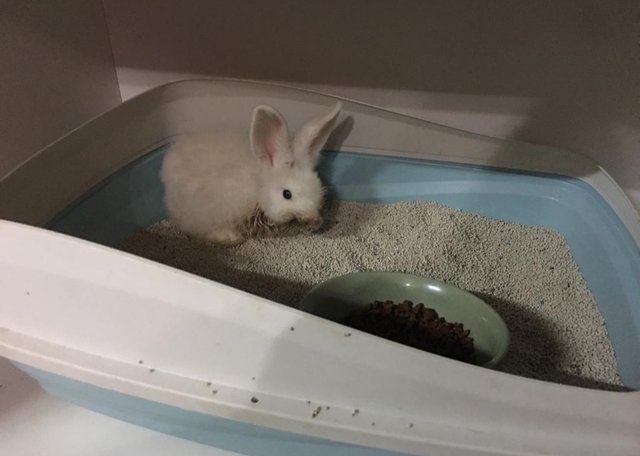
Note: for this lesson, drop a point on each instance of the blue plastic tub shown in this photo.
(603, 248)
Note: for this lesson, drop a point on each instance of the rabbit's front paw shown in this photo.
(226, 237)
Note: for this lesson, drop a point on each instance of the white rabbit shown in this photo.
(217, 183)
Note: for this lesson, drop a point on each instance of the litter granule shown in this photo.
(527, 274)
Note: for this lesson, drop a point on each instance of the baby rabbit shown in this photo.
(217, 184)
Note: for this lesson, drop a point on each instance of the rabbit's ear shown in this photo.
(312, 136)
(269, 136)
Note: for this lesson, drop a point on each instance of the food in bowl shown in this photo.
(416, 326)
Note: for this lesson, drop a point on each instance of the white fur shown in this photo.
(215, 180)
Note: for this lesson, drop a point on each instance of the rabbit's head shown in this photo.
(290, 188)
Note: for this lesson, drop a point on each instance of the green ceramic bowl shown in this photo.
(337, 297)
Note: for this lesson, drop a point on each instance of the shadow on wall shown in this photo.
(561, 73)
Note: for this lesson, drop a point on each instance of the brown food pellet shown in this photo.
(416, 326)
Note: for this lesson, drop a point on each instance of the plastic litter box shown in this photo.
(184, 355)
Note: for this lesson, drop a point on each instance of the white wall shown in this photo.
(561, 73)
(56, 72)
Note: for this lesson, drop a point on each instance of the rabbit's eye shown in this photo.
(286, 194)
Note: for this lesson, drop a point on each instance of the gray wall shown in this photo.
(561, 73)
(56, 71)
